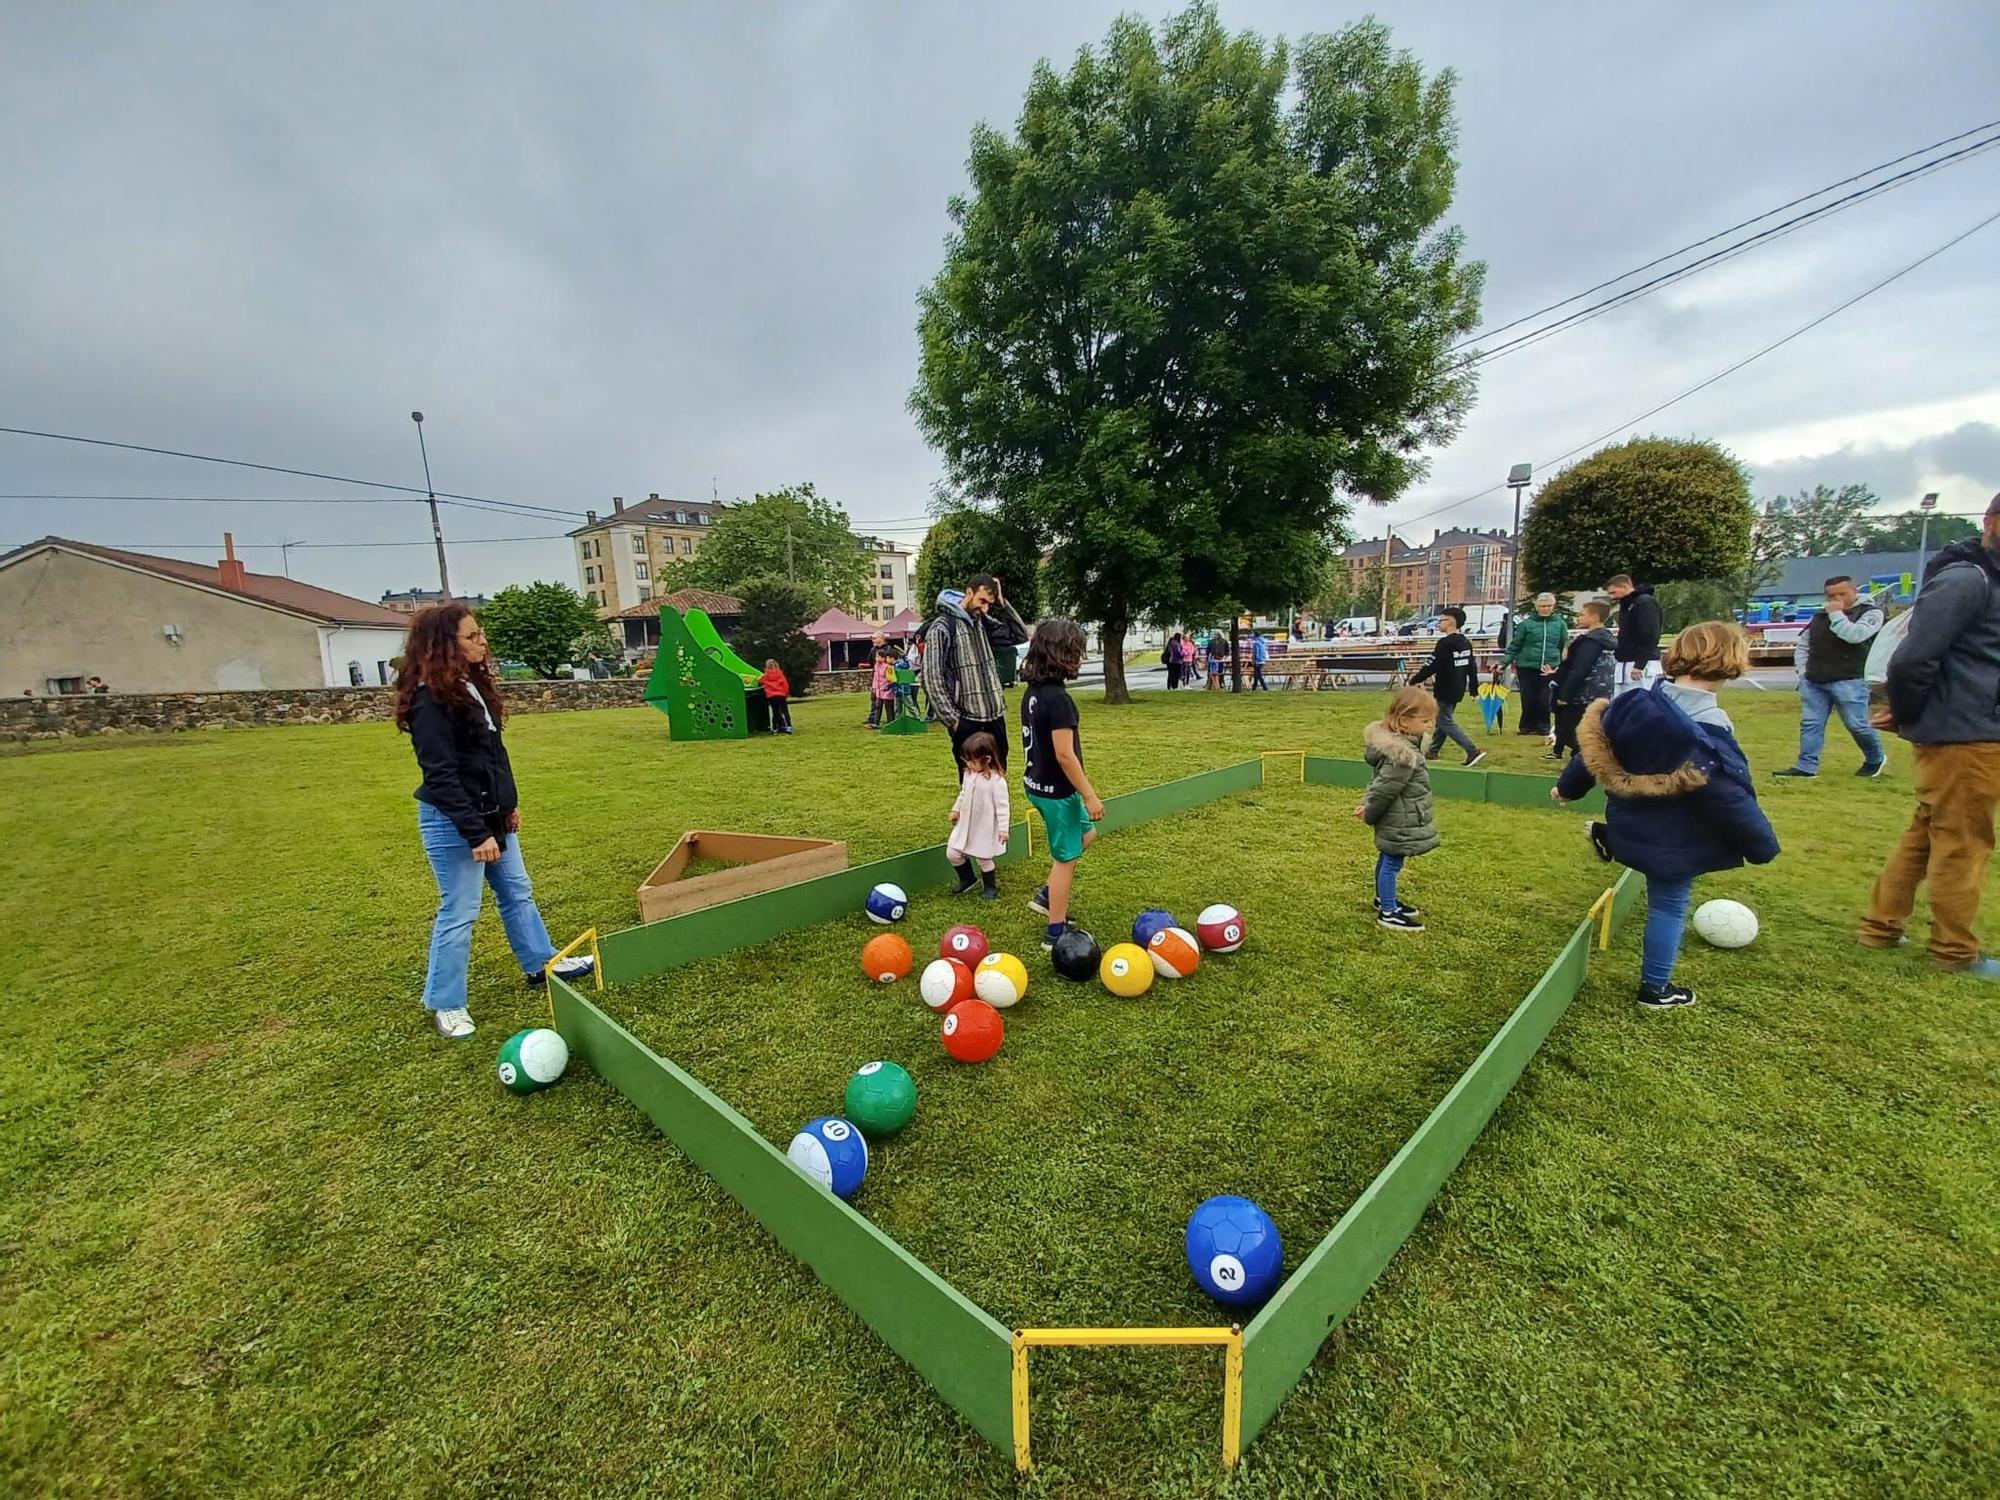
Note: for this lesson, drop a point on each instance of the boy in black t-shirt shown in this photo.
(1054, 777)
(1455, 671)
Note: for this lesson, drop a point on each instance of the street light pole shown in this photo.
(1926, 505)
(1518, 478)
(437, 530)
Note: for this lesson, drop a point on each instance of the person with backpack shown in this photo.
(1944, 698)
(1589, 672)
(960, 677)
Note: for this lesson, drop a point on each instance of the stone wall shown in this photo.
(24, 719)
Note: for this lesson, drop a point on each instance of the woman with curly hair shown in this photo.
(468, 812)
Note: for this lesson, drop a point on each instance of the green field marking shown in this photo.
(1502, 788)
(656, 947)
(1282, 1341)
(963, 1354)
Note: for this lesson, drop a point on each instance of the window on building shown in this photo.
(639, 544)
(643, 572)
(680, 518)
(645, 592)
(687, 544)
(888, 592)
(701, 517)
(888, 571)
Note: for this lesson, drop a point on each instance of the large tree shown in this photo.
(1194, 303)
(1903, 533)
(546, 625)
(1661, 509)
(792, 534)
(962, 542)
(772, 627)
(1819, 522)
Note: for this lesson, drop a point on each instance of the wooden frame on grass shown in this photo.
(762, 862)
(974, 1363)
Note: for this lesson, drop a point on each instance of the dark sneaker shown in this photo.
(1434, 755)
(1403, 907)
(1039, 902)
(574, 967)
(1793, 773)
(1474, 759)
(1398, 921)
(1555, 755)
(967, 879)
(1049, 943)
(1599, 843)
(1665, 997)
(1873, 771)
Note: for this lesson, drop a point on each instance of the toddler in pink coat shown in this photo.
(979, 818)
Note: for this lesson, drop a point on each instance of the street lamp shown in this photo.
(437, 531)
(1517, 480)
(1926, 505)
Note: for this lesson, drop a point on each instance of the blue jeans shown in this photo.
(1387, 868)
(459, 878)
(1817, 703)
(1666, 921)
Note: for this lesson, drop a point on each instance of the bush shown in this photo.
(1661, 509)
(772, 625)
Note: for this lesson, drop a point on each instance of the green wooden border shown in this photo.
(964, 1354)
(1502, 788)
(1281, 1342)
(656, 947)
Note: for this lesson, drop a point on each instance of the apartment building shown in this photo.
(1454, 567)
(890, 594)
(620, 556)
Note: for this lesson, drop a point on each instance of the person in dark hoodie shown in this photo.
(1681, 800)
(468, 812)
(960, 678)
(1944, 698)
(1589, 671)
(1638, 632)
(1451, 671)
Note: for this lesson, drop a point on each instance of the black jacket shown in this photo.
(1639, 626)
(1452, 665)
(1585, 676)
(467, 776)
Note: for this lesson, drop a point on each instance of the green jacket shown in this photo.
(1536, 642)
(1399, 805)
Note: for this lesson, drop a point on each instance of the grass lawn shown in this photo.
(263, 1234)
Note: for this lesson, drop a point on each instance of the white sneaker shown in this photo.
(574, 967)
(454, 1024)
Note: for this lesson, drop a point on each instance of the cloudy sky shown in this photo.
(622, 249)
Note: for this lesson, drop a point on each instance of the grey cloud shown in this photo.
(1897, 473)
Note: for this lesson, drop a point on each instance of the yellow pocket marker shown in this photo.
(1231, 1340)
(1601, 910)
(1264, 755)
(588, 935)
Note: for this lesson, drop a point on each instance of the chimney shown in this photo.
(590, 518)
(654, 496)
(230, 568)
(617, 505)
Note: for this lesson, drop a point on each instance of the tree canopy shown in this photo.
(792, 534)
(772, 627)
(1661, 509)
(546, 625)
(1819, 522)
(1197, 300)
(1903, 533)
(962, 542)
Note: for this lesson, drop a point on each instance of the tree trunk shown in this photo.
(1235, 646)
(1115, 690)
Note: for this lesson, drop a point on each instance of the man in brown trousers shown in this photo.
(1944, 698)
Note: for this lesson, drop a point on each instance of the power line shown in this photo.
(1720, 233)
(1727, 371)
(243, 463)
(498, 507)
(1727, 253)
(472, 541)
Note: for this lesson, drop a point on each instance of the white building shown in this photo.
(73, 611)
(890, 583)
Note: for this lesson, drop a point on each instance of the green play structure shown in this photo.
(906, 719)
(699, 690)
(703, 630)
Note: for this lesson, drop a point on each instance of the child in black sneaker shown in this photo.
(1054, 777)
(1452, 673)
(1399, 806)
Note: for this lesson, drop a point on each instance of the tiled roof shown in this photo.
(656, 511)
(684, 600)
(281, 593)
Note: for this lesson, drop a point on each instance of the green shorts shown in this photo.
(1066, 822)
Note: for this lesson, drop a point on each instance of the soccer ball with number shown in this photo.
(1234, 1251)
(887, 903)
(1726, 924)
(832, 1153)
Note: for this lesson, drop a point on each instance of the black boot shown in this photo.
(967, 879)
(991, 880)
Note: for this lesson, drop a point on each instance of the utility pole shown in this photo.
(790, 576)
(1382, 619)
(1926, 505)
(1518, 479)
(437, 530)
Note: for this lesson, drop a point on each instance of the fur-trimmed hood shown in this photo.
(1594, 744)
(1387, 744)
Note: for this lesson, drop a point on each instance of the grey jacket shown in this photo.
(1944, 680)
(1399, 805)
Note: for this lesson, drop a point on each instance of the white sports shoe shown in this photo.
(454, 1024)
(573, 967)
